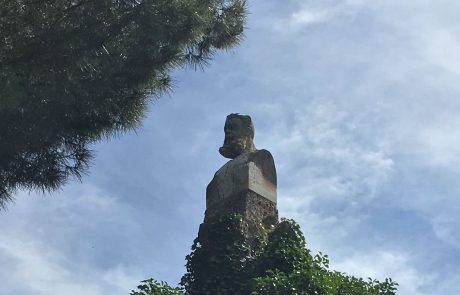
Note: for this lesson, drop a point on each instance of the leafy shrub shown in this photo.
(223, 262)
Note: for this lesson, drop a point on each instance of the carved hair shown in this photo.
(247, 123)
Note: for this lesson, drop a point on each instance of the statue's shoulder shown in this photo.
(265, 162)
(261, 155)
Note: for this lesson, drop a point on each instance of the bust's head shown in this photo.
(239, 136)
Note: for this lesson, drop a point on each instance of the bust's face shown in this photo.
(235, 138)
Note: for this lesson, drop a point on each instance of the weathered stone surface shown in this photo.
(252, 206)
(250, 171)
(239, 136)
(246, 184)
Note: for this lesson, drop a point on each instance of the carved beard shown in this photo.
(233, 147)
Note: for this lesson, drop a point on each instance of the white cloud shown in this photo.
(440, 142)
(320, 12)
(370, 108)
(307, 16)
(36, 268)
(446, 227)
(323, 159)
(383, 264)
(48, 244)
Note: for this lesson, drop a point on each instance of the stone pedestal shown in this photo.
(245, 185)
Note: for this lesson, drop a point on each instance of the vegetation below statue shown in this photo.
(221, 262)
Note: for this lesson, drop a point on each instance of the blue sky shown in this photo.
(358, 101)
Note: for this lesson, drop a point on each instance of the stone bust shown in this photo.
(239, 136)
(249, 175)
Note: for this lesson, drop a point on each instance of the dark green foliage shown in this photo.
(286, 267)
(285, 250)
(73, 72)
(152, 287)
(222, 262)
(220, 254)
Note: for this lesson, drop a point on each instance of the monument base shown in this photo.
(256, 211)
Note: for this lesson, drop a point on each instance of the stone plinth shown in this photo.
(245, 185)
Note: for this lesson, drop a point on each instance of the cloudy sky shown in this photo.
(359, 103)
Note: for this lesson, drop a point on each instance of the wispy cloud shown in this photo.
(367, 123)
(381, 265)
(309, 13)
(325, 161)
(36, 268)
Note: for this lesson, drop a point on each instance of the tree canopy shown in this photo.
(73, 72)
(222, 262)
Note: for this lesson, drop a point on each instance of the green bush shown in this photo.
(152, 287)
(223, 262)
